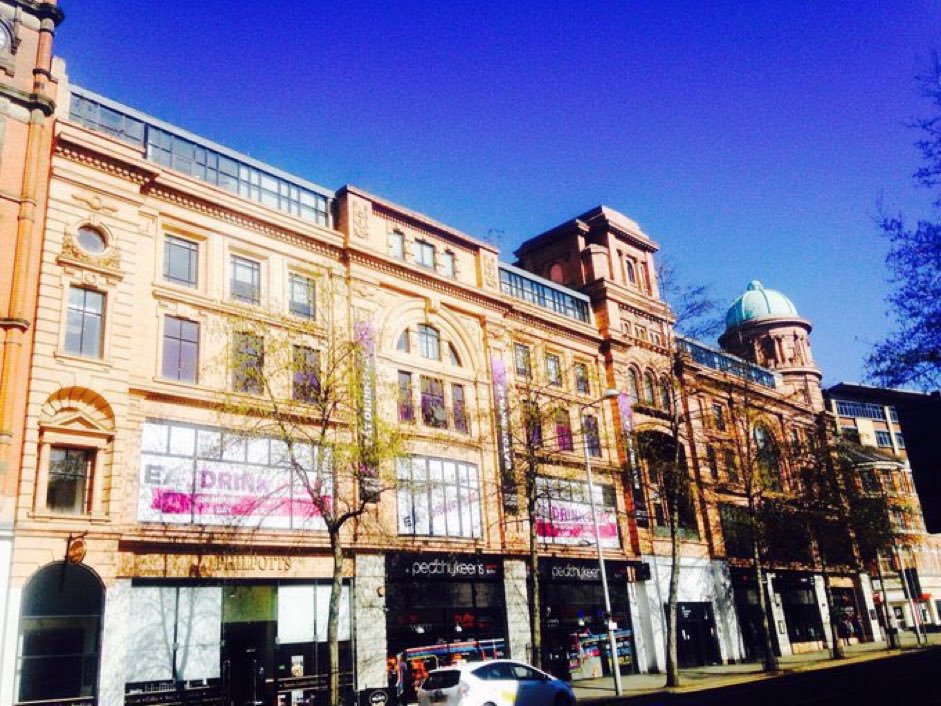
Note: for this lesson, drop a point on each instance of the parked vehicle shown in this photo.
(499, 682)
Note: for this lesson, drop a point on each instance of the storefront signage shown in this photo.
(370, 486)
(511, 501)
(444, 567)
(576, 571)
(76, 550)
(626, 417)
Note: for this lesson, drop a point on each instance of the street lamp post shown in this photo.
(612, 641)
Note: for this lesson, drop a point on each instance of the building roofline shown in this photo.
(205, 142)
(849, 388)
(416, 216)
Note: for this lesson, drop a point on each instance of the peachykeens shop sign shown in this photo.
(370, 486)
(576, 571)
(444, 567)
(511, 500)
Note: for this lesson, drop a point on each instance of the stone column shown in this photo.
(730, 636)
(820, 593)
(777, 617)
(516, 595)
(869, 616)
(114, 637)
(371, 640)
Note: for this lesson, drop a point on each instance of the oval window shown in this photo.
(91, 240)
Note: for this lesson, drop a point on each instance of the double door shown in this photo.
(697, 643)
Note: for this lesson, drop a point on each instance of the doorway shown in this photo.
(697, 643)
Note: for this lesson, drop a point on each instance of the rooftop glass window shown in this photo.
(200, 159)
(547, 295)
(726, 363)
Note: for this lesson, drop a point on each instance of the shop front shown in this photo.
(443, 608)
(574, 629)
(697, 642)
(799, 601)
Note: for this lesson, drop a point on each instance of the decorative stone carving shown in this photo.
(361, 220)
(490, 272)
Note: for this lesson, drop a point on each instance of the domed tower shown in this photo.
(763, 326)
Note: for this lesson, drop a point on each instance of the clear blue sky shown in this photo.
(751, 139)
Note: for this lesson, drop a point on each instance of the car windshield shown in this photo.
(443, 679)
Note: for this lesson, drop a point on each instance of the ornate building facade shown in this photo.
(127, 570)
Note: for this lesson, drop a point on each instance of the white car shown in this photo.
(498, 682)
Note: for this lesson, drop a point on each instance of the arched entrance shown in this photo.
(60, 635)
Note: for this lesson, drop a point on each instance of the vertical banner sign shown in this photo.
(369, 484)
(511, 501)
(627, 434)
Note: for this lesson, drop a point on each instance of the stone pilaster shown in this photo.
(370, 601)
(517, 609)
(114, 642)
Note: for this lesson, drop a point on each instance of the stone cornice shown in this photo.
(30, 101)
(41, 10)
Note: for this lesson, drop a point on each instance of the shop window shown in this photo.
(563, 430)
(84, 322)
(433, 411)
(59, 635)
(302, 297)
(563, 511)
(523, 360)
(438, 497)
(582, 385)
(305, 373)
(245, 283)
(554, 369)
(180, 261)
(429, 342)
(406, 405)
(69, 473)
(248, 360)
(211, 476)
(459, 408)
(397, 245)
(592, 437)
(180, 349)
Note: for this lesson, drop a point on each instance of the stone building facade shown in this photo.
(124, 567)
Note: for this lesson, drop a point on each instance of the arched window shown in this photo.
(666, 394)
(767, 458)
(403, 345)
(629, 271)
(563, 430)
(556, 274)
(429, 342)
(649, 389)
(633, 385)
(60, 626)
(453, 357)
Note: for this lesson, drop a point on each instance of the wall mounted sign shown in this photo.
(444, 567)
(511, 500)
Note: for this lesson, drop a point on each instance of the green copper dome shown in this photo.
(759, 303)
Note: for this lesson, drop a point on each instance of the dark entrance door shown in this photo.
(697, 644)
(248, 662)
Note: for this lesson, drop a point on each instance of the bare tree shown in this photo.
(309, 383)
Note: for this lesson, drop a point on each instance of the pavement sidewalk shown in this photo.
(600, 691)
